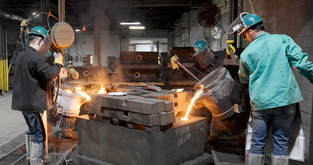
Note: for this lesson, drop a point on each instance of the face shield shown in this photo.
(45, 46)
(205, 57)
(237, 25)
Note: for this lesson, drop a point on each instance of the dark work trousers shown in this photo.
(35, 126)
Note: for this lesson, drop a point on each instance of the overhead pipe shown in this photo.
(10, 16)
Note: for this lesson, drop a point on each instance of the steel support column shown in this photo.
(62, 10)
(97, 36)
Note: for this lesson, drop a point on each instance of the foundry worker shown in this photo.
(266, 65)
(31, 88)
(205, 64)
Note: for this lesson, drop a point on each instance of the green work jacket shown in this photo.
(266, 65)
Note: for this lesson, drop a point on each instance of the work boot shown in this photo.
(279, 160)
(255, 159)
(69, 134)
(36, 153)
(213, 137)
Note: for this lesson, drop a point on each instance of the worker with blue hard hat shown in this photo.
(31, 87)
(266, 66)
(206, 63)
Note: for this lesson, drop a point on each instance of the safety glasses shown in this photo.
(243, 35)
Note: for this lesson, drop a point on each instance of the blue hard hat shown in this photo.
(199, 47)
(39, 31)
(250, 20)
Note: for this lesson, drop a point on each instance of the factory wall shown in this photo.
(189, 31)
(293, 18)
(84, 45)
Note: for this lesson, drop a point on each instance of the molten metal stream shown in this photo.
(194, 98)
(84, 94)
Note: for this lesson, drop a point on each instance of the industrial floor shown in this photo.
(13, 129)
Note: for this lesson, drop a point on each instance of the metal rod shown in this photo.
(182, 66)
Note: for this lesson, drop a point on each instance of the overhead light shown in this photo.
(130, 23)
(77, 30)
(136, 27)
(84, 28)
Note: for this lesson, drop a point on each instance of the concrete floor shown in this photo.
(13, 126)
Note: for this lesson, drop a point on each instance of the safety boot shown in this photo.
(36, 153)
(255, 159)
(279, 160)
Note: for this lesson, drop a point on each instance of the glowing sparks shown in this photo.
(194, 98)
(84, 94)
(102, 90)
(78, 88)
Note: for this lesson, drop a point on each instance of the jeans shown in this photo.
(282, 119)
(35, 126)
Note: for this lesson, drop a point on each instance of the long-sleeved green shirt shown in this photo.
(266, 65)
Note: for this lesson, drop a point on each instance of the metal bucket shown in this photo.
(220, 93)
(69, 105)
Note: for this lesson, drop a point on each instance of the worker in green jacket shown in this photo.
(266, 65)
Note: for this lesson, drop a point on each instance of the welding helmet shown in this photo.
(42, 32)
(203, 54)
(243, 22)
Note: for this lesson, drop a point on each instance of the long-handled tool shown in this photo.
(182, 66)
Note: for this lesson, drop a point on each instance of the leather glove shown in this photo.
(174, 62)
(74, 73)
(58, 59)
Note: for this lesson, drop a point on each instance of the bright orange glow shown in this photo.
(84, 28)
(194, 98)
(102, 90)
(68, 91)
(84, 94)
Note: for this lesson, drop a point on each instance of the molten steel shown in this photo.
(68, 91)
(194, 98)
(84, 94)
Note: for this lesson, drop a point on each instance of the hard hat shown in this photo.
(243, 22)
(39, 31)
(250, 20)
(199, 46)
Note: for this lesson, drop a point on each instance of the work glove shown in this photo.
(24, 26)
(174, 62)
(74, 73)
(58, 59)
